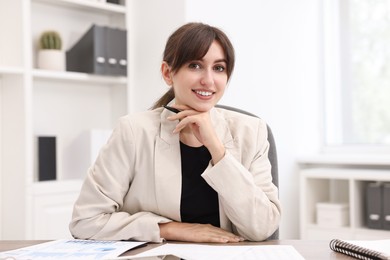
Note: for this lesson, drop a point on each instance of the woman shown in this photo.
(199, 175)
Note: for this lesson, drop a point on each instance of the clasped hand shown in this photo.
(201, 127)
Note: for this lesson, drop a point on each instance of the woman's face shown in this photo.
(200, 84)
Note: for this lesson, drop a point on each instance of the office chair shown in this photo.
(272, 156)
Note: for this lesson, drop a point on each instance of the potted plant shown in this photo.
(50, 54)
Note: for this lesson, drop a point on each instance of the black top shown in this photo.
(199, 202)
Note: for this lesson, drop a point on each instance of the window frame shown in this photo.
(335, 69)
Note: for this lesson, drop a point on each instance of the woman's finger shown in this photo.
(183, 123)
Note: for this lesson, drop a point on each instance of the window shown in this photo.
(357, 72)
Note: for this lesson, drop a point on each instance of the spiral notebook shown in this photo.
(359, 249)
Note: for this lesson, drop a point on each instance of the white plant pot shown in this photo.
(51, 60)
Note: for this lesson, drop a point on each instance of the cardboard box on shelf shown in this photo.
(331, 214)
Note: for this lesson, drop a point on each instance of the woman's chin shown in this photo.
(203, 108)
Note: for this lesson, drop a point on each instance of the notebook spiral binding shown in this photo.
(358, 252)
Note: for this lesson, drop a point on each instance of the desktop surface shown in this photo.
(309, 249)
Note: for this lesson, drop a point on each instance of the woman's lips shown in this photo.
(203, 94)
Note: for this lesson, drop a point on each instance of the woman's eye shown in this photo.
(194, 66)
(219, 68)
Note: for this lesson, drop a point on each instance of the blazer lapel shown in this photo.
(222, 129)
(168, 169)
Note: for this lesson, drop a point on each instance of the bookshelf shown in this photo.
(10, 71)
(342, 180)
(77, 77)
(88, 5)
(35, 102)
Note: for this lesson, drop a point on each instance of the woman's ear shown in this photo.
(166, 73)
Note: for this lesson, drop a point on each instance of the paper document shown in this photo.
(71, 249)
(377, 245)
(226, 252)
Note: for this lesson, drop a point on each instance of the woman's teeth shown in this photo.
(203, 93)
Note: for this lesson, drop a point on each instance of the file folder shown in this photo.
(374, 213)
(47, 166)
(101, 50)
(89, 53)
(113, 2)
(386, 206)
(116, 51)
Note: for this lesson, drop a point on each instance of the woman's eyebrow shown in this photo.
(216, 61)
(221, 60)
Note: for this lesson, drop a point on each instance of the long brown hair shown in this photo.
(191, 42)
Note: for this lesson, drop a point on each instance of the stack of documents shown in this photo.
(71, 249)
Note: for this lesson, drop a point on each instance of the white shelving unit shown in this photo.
(88, 5)
(35, 102)
(339, 179)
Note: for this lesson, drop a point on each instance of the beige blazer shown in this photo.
(135, 182)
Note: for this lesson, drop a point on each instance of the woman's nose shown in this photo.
(207, 78)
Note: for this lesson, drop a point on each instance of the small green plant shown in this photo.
(50, 40)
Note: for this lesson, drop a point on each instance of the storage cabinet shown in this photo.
(342, 182)
(52, 208)
(34, 102)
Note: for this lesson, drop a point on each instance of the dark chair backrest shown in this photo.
(272, 155)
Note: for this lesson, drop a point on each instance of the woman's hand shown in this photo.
(199, 233)
(201, 127)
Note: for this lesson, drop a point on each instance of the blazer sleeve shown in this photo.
(97, 212)
(246, 193)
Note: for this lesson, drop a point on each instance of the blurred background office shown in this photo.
(318, 71)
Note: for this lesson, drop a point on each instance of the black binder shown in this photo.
(374, 214)
(101, 50)
(386, 206)
(89, 53)
(116, 51)
(47, 166)
(113, 1)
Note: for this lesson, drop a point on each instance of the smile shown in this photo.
(203, 93)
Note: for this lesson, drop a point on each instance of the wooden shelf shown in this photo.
(343, 229)
(78, 77)
(48, 187)
(88, 5)
(347, 174)
(11, 70)
(347, 159)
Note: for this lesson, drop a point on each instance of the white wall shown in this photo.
(151, 23)
(276, 75)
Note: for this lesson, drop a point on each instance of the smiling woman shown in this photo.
(190, 172)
